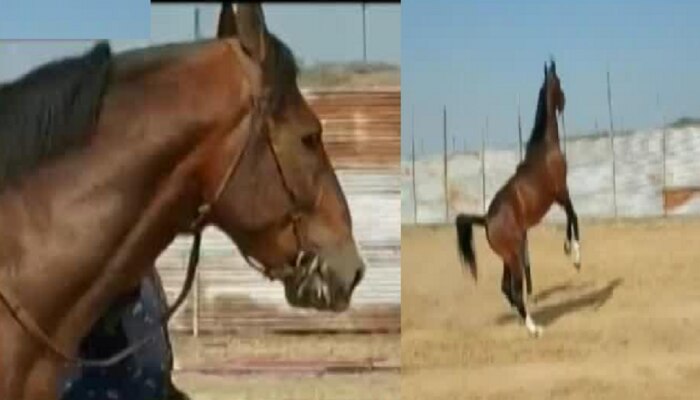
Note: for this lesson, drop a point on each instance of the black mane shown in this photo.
(50, 110)
(539, 128)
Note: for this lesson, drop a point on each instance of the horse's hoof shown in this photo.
(576, 256)
(567, 247)
(537, 331)
(534, 329)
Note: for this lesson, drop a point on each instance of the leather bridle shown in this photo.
(260, 109)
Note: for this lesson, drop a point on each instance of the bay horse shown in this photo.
(188, 135)
(127, 321)
(20, 109)
(539, 181)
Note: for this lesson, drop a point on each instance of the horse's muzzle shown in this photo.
(324, 282)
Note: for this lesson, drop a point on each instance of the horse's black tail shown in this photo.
(465, 239)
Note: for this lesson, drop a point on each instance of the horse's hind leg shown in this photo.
(519, 298)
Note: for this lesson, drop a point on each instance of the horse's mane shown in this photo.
(539, 128)
(50, 110)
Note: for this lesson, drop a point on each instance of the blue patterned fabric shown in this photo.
(145, 375)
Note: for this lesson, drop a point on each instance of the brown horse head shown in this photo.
(555, 95)
(294, 223)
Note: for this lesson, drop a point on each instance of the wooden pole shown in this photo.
(444, 159)
(195, 306)
(197, 28)
(364, 32)
(520, 132)
(413, 167)
(484, 132)
(663, 153)
(195, 292)
(612, 143)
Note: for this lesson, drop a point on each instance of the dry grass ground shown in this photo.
(626, 327)
(218, 351)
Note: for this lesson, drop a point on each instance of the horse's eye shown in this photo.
(311, 141)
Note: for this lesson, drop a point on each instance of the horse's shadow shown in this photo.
(548, 314)
(562, 287)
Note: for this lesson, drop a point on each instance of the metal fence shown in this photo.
(647, 173)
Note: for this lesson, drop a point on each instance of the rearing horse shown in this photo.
(539, 181)
(213, 132)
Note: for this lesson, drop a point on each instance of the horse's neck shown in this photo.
(108, 215)
(88, 227)
(549, 143)
(552, 131)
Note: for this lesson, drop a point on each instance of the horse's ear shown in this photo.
(545, 69)
(553, 67)
(252, 32)
(227, 21)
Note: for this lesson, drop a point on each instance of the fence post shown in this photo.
(663, 162)
(612, 143)
(195, 305)
(413, 167)
(195, 294)
(364, 32)
(520, 132)
(663, 155)
(444, 159)
(484, 132)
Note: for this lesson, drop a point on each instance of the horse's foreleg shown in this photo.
(525, 257)
(507, 285)
(572, 245)
(518, 296)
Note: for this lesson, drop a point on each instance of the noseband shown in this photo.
(294, 216)
(260, 109)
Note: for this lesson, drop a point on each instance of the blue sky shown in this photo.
(316, 33)
(74, 19)
(476, 57)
